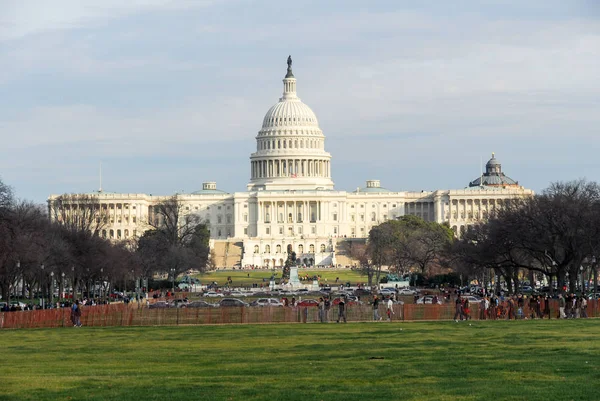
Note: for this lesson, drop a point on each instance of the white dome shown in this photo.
(290, 146)
(290, 113)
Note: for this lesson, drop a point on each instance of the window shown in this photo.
(219, 207)
(280, 230)
(373, 217)
(300, 248)
(352, 217)
(219, 233)
(300, 230)
(228, 219)
(335, 230)
(245, 230)
(267, 218)
(299, 217)
(322, 247)
(335, 217)
(256, 249)
(362, 217)
(351, 206)
(311, 248)
(112, 234)
(126, 233)
(278, 249)
(313, 230)
(219, 218)
(268, 231)
(267, 248)
(133, 219)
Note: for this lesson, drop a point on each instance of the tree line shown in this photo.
(554, 234)
(45, 250)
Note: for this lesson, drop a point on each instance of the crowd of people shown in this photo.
(520, 306)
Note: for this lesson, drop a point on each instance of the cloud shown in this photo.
(22, 18)
(414, 96)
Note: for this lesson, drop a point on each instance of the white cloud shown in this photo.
(21, 18)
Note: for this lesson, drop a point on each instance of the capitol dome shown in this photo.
(290, 146)
(290, 113)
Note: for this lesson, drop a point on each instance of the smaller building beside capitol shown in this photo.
(291, 203)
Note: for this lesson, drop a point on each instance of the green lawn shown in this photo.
(245, 278)
(490, 360)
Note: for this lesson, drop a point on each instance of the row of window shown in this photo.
(287, 144)
(311, 249)
(120, 234)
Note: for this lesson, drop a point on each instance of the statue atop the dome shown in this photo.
(289, 69)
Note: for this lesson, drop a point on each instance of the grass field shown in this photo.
(245, 278)
(491, 360)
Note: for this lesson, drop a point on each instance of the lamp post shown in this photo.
(42, 287)
(62, 285)
(582, 282)
(73, 283)
(173, 281)
(595, 267)
(51, 288)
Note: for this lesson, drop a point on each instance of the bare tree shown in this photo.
(79, 212)
(177, 240)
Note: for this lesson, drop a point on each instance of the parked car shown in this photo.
(407, 291)
(266, 302)
(353, 301)
(361, 292)
(231, 302)
(179, 303)
(428, 299)
(198, 304)
(213, 294)
(308, 303)
(18, 305)
(235, 293)
(387, 291)
(472, 298)
(159, 305)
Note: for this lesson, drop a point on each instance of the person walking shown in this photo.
(546, 307)
(561, 307)
(584, 304)
(342, 309)
(376, 308)
(76, 314)
(321, 307)
(390, 309)
(327, 305)
(458, 309)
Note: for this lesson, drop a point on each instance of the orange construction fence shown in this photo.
(139, 315)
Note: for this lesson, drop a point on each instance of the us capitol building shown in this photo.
(291, 202)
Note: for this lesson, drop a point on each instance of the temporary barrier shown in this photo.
(133, 314)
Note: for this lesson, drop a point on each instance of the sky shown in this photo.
(167, 94)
